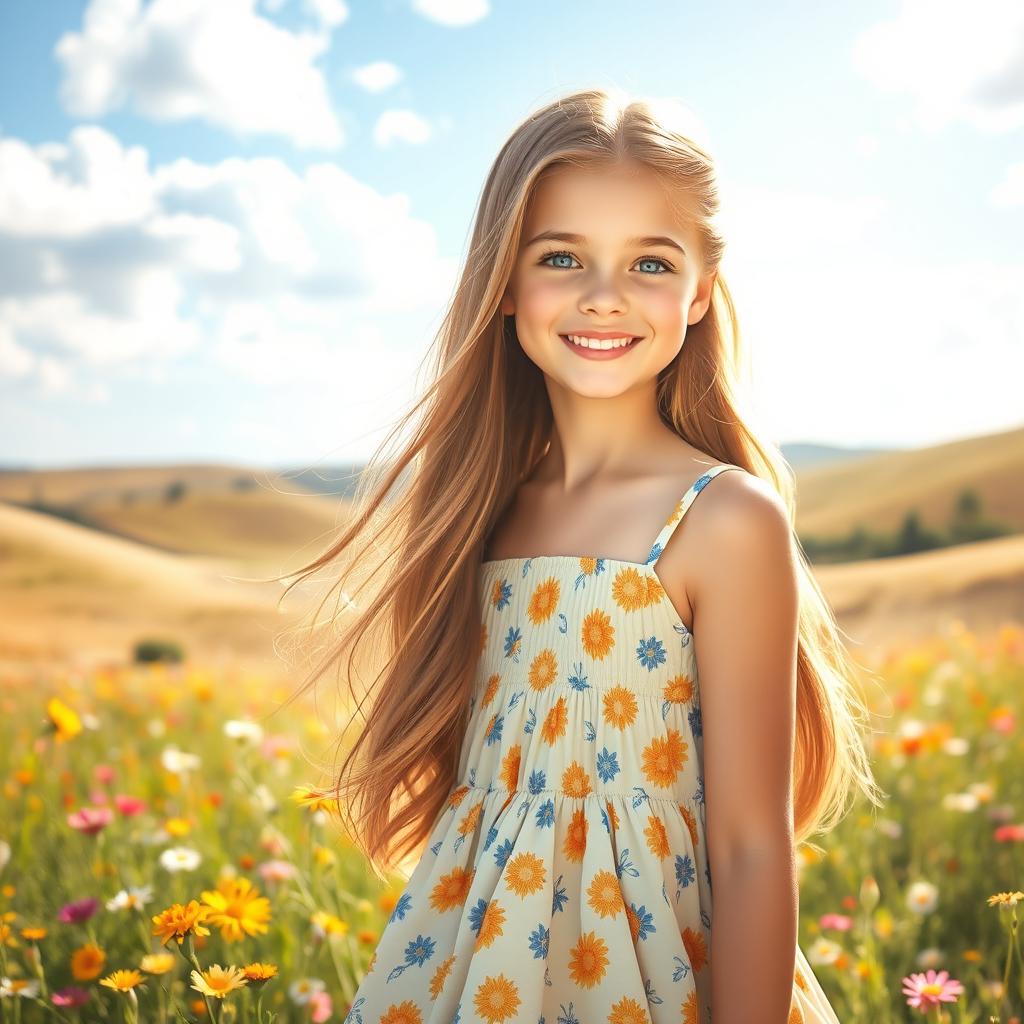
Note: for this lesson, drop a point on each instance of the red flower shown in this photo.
(1009, 834)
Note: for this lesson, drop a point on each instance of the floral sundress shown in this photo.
(566, 881)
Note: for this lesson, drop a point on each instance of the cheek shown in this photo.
(664, 308)
(541, 301)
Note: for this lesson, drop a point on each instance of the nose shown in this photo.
(603, 300)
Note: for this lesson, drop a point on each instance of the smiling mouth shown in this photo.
(598, 345)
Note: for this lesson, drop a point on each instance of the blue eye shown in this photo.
(643, 259)
(655, 259)
(551, 255)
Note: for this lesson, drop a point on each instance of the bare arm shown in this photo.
(745, 627)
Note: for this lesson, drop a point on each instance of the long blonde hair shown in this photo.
(480, 426)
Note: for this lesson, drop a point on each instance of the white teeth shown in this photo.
(584, 342)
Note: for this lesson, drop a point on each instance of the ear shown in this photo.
(702, 299)
(508, 306)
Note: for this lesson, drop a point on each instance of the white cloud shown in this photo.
(1010, 191)
(453, 12)
(270, 275)
(221, 62)
(780, 225)
(54, 378)
(330, 13)
(851, 343)
(400, 126)
(377, 76)
(866, 145)
(955, 63)
(69, 190)
(16, 361)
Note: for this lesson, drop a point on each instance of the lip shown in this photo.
(598, 353)
(603, 334)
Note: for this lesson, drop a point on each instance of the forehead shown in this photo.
(605, 204)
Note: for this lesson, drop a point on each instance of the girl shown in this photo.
(600, 695)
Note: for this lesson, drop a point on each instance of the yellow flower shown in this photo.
(122, 981)
(1006, 899)
(179, 920)
(33, 934)
(218, 981)
(306, 796)
(323, 856)
(329, 923)
(65, 720)
(178, 827)
(258, 972)
(237, 908)
(157, 963)
(202, 688)
(87, 962)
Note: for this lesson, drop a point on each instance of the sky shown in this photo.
(229, 230)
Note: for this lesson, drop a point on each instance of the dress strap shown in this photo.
(681, 508)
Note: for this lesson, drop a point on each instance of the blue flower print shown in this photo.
(417, 953)
(684, 870)
(513, 643)
(476, 914)
(559, 898)
(545, 815)
(403, 904)
(494, 733)
(539, 939)
(607, 765)
(578, 681)
(645, 921)
(501, 854)
(696, 722)
(651, 653)
(504, 593)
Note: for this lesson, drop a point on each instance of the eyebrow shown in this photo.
(574, 239)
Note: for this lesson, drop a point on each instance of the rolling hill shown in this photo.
(126, 552)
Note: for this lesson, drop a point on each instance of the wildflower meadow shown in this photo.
(165, 855)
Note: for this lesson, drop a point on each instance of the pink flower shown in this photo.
(129, 805)
(928, 990)
(98, 796)
(104, 773)
(276, 745)
(1001, 812)
(90, 819)
(840, 922)
(80, 910)
(1002, 720)
(70, 996)
(1009, 834)
(320, 1002)
(272, 844)
(276, 871)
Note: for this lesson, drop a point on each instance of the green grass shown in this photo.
(946, 723)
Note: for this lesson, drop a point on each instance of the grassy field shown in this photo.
(146, 804)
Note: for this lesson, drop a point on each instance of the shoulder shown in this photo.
(742, 546)
(742, 513)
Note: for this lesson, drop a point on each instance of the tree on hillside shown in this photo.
(913, 536)
(175, 491)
